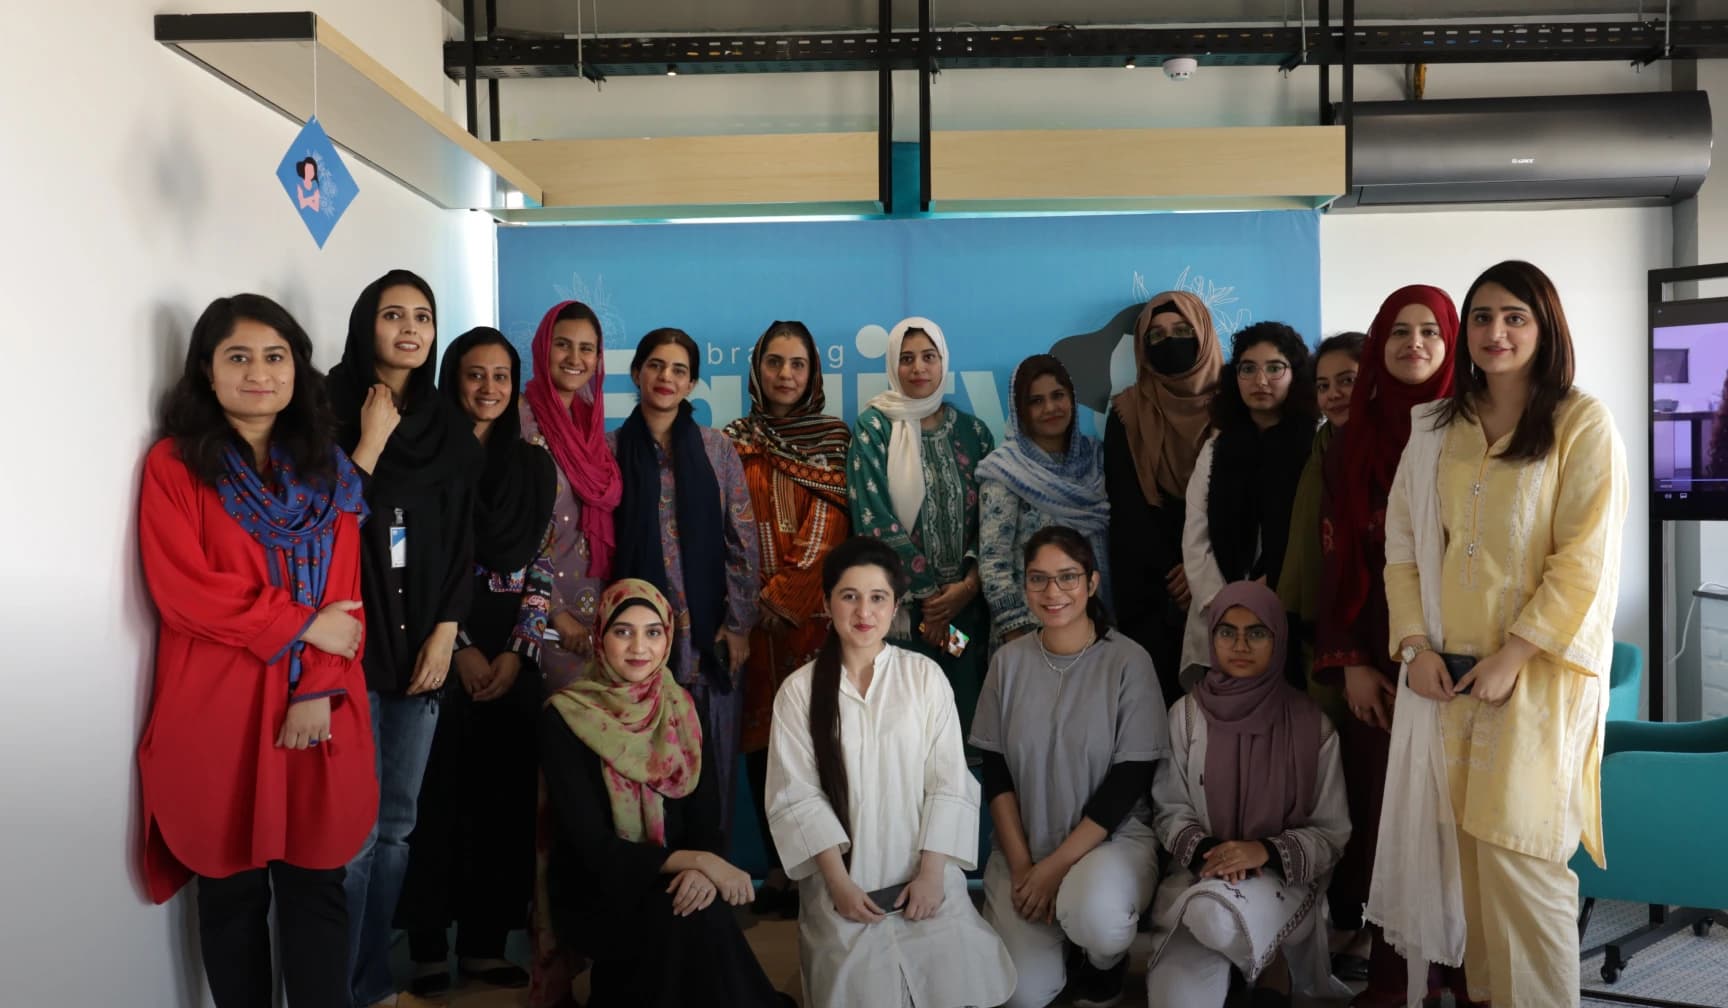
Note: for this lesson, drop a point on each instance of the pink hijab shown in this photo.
(577, 439)
(1263, 746)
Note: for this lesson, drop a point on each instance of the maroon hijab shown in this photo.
(1369, 446)
(1263, 746)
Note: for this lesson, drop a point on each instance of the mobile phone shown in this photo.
(957, 641)
(1458, 666)
(887, 896)
(722, 652)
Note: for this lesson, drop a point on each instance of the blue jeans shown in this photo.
(402, 728)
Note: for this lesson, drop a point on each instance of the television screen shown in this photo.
(1688, 424)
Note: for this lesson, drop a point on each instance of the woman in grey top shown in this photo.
(1071, 724)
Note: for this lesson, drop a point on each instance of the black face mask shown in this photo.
(1173, 356)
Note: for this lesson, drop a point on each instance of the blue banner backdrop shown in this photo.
(1001, 288)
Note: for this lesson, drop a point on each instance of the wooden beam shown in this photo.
(798, 168)
(1228, 167)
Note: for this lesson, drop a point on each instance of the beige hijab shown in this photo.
(1166, 416)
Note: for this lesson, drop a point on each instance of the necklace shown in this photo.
(1050, 661)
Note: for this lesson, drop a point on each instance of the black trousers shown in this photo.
(756, 765)
(311, 917)
(471, 855)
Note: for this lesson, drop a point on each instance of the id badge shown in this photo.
(398, 543)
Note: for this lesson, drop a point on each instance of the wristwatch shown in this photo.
(1408, 652)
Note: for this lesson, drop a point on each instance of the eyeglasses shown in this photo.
(1273, 370)
(1225, 634)
(1067, 580)
(1175, 332)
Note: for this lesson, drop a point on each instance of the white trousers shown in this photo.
(1098, 908)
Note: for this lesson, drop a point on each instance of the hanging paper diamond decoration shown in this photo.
(318, 183)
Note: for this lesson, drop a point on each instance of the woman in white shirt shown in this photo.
(868, 790)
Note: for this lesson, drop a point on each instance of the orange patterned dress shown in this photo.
(795, 529)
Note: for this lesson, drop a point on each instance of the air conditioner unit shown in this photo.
(1649, 148)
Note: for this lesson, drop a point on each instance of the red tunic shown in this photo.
(219, 796)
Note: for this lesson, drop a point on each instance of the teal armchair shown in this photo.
(1663, 819)
(1625, 682)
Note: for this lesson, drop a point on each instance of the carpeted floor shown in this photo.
(1681, 968)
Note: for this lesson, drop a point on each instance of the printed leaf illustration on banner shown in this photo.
(317, 181)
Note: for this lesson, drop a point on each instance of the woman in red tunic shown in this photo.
(257, 760)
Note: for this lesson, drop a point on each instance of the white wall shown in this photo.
(1597, 258)
(139, 186)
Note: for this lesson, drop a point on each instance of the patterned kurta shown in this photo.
(738, 527)
(573, 591)
(944, 543)
(945, 540)
(1531, 549)
(796, 527)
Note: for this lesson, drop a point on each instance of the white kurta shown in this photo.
(910, 791)
(1269, 911)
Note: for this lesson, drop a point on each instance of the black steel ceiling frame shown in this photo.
(885, 115)
(1089, 47)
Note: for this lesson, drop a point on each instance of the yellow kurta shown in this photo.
(1531, 549)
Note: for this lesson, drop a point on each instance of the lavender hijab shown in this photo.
(1263, 747)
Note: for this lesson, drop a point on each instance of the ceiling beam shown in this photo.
(1224, 45)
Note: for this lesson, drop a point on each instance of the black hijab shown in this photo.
(427, 447)
(513, 503)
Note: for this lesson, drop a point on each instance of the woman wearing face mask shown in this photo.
(1045, 473)
(1503, 534)
(1151, 440)
(256, 763)
(1244, 483)
(685, 523)
(1251, 808)
(1074, 857)
(794, 459)
(637, 875)
(565, 412)
(874, 811)
(417, 557)
(911, 476)
(472, 850)
(1407, 362)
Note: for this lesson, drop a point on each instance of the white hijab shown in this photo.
(905, 443)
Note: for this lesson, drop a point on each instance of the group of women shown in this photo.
(450, 653)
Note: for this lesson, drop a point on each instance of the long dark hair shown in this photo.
(858, 551)
(1551, 370)
(1303, 402)
(1079, 549)
(1349, 343)
(1030, 370)
(305, 428)
(659, 338)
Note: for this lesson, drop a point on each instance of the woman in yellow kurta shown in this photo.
(1503, 544)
